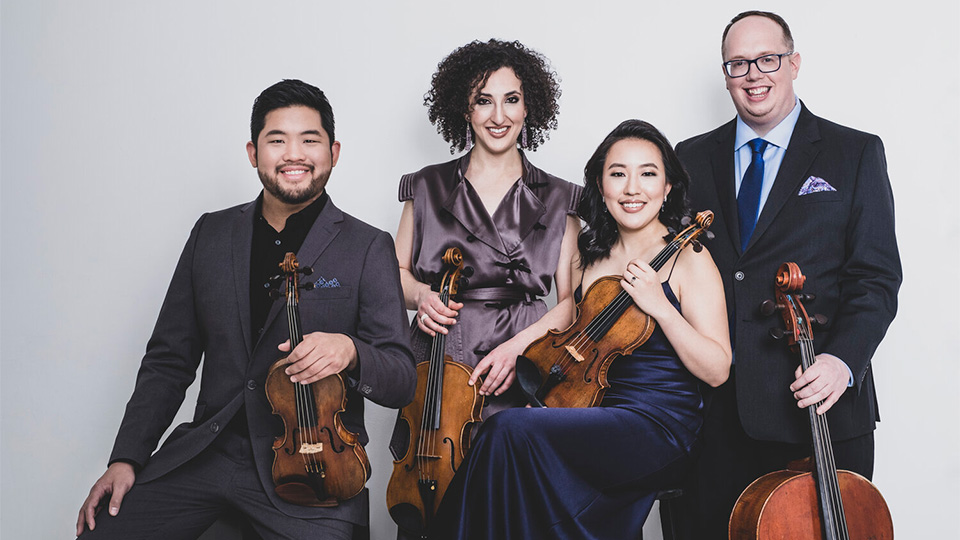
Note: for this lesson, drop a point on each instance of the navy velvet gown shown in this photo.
(580, 473)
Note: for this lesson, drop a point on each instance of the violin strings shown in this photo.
(303, 415)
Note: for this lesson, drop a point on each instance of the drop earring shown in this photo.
(523, 136)
(469, 144)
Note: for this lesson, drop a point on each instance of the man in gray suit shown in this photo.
(788, 186)
(218, 307)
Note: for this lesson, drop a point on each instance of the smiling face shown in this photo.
(634, 183)
(762, 99)
(293, 155)
(498, 112)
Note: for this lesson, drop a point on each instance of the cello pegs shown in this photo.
(777, 333)
(819, 319)
(769, 307)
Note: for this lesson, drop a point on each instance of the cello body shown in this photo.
(783, 505)
(814, 502)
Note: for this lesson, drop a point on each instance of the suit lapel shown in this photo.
(242, 242)
(800, 154)
(521, 205)
(723, 173)
(323, 231)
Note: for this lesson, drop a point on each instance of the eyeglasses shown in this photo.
(767, 63)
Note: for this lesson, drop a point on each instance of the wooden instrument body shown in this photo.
(317, 461)
(433, 455)
(584, 379)
(818, 502)
(340, 451)
(783, 505)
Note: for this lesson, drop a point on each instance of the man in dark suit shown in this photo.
(788, 186)
(218, 307)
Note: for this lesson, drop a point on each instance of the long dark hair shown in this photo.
(600, 232)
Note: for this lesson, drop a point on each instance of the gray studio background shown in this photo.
(123, 121)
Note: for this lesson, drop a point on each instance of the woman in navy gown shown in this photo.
(594, 473)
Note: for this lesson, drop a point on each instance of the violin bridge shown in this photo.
(573, 352)
(308, 448)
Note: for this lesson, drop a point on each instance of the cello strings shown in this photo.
(826, 464)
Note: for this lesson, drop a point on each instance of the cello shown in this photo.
(317, 461)
(797, 503)
(569, 368)
(439, 420)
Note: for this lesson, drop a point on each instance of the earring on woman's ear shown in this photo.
(523, 135)
(664, 205)
(469, 144)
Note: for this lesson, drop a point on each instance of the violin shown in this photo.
(317, 461)
(439, 419)
(799, 503)
(569, 368)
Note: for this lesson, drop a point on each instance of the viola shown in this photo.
(317, 461)
(439, 420)
(569, 368)
(799, 503)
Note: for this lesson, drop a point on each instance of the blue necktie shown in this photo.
(748, 200)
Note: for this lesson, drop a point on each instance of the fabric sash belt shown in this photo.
(495, 294)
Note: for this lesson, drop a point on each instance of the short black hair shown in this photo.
(600, 229)
(467, 68)
(787, 35)
(290, 93)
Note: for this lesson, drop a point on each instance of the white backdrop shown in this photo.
(122, 121)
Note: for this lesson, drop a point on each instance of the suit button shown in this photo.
(251, 384)
(738, 276)
(215, 427)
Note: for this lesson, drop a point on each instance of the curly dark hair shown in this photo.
(600, 230)
(467, 69)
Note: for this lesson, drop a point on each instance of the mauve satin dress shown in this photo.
(509, 258)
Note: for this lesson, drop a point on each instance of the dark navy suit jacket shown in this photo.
(844, 242)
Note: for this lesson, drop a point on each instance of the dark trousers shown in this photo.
(730, 461)
(222, 480)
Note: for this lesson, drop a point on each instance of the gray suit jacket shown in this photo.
(206, 313)
(844, 242)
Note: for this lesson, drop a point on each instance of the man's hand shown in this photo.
(116, 482)
(318, 356)
(825, 380)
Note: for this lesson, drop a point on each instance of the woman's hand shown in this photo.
(500, 367)
(642, 283)
(432, 315)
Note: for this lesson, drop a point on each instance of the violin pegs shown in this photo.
(807, 297)
(308, 286)
(769, 307)
(697, 246)
(305, 270)
(819, 319)
(777, 333)
(710, 235)
(467, 271)
(685, 220)
(274, 294)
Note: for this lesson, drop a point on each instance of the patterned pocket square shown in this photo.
(324, 284)
(815, 184)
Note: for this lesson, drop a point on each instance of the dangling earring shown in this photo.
(664, 205)
(523, 135)
(469, 144)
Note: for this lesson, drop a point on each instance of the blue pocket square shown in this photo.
(325, 284)
(815, 184)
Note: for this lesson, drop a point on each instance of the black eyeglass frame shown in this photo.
(727, 64)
